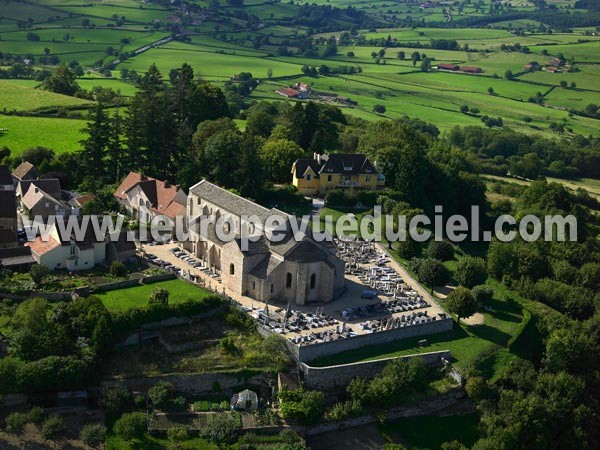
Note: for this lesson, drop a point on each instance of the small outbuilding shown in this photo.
(246, 400)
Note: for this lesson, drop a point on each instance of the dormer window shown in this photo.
(308, 177)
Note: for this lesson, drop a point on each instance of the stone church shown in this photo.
(289, 271)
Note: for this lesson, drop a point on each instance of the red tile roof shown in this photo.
(288, 92)
(40, 247)
(162, 195)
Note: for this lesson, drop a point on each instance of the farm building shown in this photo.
(288, 92)
(443, 66)
(471, 69)
(533, 65)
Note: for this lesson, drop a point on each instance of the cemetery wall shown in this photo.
(310, 352)
(336, 376)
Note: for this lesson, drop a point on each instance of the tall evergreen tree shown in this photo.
(95, 147)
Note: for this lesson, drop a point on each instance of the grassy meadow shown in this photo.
(137, 297)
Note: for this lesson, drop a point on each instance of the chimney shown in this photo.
(166, 184)
(36, 189)
(143, 177)
(319, 158)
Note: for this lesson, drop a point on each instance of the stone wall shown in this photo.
(330, 377)
(310, 352)
(193, 384)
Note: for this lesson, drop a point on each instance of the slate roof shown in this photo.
(308, 251)
(26, 171)
(228, 201)
(49, 185)
(336, 163)
(33, 196)
(302, 164)
(348, 164)
(15, 256)
(7, 236)
(122, 243)
(8, 206)
(5, 177)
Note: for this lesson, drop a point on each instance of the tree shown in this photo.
(118, 269)
(269, 73)
(93, 434)
(433, 273)
(221, 429)
(527, 120)
(278, 155)
(161, 393)
(563, 84)
(159, 297)
(94, 153)
(476, 388)
(483, 293)
(464, 109)
(470, 271)
(130, 426)
(115, 401)
(426, 65)
(490, 90)
(379, 109)
(440, 250)
(401, 55)
(260, 123)
(62, 81)
(416, 57)
(461, 302)
(38, 273)
(508, 75)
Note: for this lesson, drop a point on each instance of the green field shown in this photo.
(21, 133)
(137, 297)
(222, 44)
(17, 97)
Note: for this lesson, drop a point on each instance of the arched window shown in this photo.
(231, 269)
(313, 281)
(288, 280)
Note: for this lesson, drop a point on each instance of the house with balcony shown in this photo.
(336, 171)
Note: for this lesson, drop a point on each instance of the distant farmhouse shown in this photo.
(289, 271)
(456, 68)
(148, 197)
(324, 173)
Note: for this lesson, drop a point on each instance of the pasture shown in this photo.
(21, 133)
(18, 97)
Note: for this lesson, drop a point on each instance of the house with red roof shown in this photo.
(148, 198)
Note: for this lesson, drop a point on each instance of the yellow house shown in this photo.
(337, 171)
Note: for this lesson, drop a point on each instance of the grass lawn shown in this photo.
(430, 432)
(137, 297)
(61, 135)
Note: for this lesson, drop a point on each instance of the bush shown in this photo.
(15, 422)
(477, 388)
(115, 401)
(140, 402)
(131, 426)
(470, 271)
(161, 393)
(52, 426)
(482, 293)
(118, 269)
(159, 297)
(220, 430)
(93, 434)
(441, 250)
(177, 434)
(38, 273)
(36, 415)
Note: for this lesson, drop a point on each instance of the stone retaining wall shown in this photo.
(330, 377)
